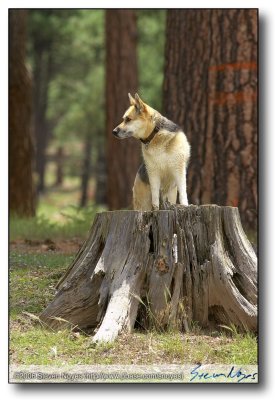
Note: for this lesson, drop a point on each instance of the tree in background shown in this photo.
(210, 88)
(68, 91)
(21, 191)
(59, 166)
(150, 49)
(76, 96)
(86, 171)
(66, 52)
(123, 156)
(44, 30)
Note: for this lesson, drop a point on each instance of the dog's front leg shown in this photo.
(155, 188)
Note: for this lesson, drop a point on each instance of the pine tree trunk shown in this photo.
(100, 176)
(22, 197)
(174, 266)
(42, 73)
(59, 166)
(210, 89)
(86, 171)
(123, 156)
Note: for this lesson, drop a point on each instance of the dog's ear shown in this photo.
(131, 99)
(140, 106)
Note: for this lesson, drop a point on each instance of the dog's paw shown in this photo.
(155, 208)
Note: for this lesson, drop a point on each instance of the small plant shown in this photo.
(231, 328)
(169, 319)
(195, 327)
(147, 319)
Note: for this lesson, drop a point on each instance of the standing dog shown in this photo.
(165, 151)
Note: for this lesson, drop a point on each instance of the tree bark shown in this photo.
(42, 41)
(86, 171)
(21, 191)
(100, 176)
(123, 156)
(59, 166)
(176, 266)
(210, 89)
(41, 73)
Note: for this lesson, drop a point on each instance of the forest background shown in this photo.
(69, 75)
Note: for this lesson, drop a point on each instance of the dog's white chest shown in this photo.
(160, 164)
(158, 159)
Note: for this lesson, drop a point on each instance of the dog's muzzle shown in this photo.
(121, 134)
(116, 132)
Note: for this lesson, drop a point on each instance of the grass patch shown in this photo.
(76, 223)
(38, 260)
(32, 280)
(39, 346)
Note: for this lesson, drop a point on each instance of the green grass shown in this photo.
(76, 223)
(58, 215)
(37, 345)
(32, 280)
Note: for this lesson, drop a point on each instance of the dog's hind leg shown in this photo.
(180, 179)
(172, 195)
(141, 195)
(168, 197)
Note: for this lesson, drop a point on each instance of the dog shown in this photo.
(165, 151)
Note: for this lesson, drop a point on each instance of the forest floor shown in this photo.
(34, 271)
(40, 251)
(35, 268)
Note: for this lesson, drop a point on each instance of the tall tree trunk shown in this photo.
(21, 193)
(210, 88)
(86, 171)
(100, 176)
(59, 166)
(123, 156)
(42, 73)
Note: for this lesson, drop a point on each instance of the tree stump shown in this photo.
(178, 265)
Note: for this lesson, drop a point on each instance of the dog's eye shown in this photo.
(127, 120)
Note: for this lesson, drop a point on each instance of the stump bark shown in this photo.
(166, 267)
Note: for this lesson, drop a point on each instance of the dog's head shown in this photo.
(137, 120)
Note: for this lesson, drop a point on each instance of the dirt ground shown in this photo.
(65, 246)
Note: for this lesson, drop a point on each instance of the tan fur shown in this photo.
(166, 156)
(141, 195)
(142, 199)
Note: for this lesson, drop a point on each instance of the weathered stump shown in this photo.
(179, 265)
